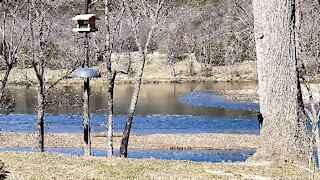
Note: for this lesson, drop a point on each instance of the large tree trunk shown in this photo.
(284, 135)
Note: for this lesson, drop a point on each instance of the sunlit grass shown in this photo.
(58, 166)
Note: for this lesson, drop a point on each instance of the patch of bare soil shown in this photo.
(157, 141)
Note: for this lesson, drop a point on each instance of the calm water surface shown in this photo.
(154, 99)
(162, 108)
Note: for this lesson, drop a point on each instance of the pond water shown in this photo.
(162, 108)
(154, 99)
(148, 124)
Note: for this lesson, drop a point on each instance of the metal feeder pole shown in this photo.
(86, 118)
(86, 74)
(86, 86)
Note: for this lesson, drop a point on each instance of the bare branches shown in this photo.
(11, 41)
(62, 77)
(143, 56)
(128, 66)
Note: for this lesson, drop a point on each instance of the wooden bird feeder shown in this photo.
(86, 23)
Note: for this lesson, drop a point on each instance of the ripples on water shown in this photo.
(196, 112)
(178, 108)
(209, 99)
(151, 124)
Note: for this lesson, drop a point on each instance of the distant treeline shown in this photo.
(219, 32)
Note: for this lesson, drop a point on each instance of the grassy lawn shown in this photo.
(23, 165)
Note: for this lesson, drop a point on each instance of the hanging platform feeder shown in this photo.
(86, 23)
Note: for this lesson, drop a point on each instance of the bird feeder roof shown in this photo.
(85, 17)
(87, 73)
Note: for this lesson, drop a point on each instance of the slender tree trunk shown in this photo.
(4, 82)
(171, 61)
(132, 108)
(111, 78)
(40, 117)
(88, 7)
(284, 135)
(110, 121)
(8, 58)
(143, 56)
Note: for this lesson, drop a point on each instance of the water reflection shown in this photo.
(154, 99)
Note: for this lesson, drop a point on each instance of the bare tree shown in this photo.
(112, 45)
(284, 131)
(40, 37)
(12, 31)
(136, 11)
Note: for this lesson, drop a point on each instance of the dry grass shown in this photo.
(58, 166)
(158, 141)
(157, 70)
(250, 93)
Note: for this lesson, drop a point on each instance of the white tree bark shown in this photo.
(143, 57)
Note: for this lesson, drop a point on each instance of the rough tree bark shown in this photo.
(111, 77)
(284, 135)
(40, 116)
(39, 39)
(112, 33)
(38, 67)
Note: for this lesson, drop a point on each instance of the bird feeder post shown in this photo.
(86, 24)
(86, 73)
(86, 119)
(86, 95)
